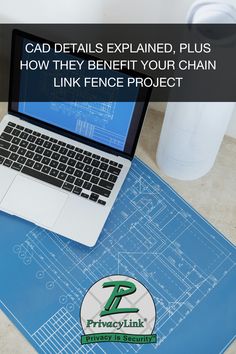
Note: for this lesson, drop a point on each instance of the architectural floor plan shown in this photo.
(152, 235)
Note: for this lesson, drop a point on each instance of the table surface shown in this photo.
(213, 196)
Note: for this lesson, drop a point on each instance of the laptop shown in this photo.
(62, 164)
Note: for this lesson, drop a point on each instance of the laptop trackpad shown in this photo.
(33, 201)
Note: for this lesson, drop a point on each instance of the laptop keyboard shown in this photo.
(63, 165)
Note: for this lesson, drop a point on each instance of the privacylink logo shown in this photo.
(118, 309)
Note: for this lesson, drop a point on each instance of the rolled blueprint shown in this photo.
(192, 132)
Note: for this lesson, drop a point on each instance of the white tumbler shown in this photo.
(191, 137)
(192, 132)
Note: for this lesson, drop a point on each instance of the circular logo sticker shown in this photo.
(118, 308)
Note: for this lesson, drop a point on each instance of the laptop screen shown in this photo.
(110, 124)
(104, 122)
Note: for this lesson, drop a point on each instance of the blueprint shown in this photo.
(153, 235)
(104, 122)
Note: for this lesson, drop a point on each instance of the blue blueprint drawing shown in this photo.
(152, 235)
(104, 122)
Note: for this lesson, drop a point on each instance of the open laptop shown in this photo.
(62, 164)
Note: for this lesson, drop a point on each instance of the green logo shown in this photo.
(117, 294)
(118, 309)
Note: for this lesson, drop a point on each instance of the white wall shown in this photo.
(51, 11)
(108, 11)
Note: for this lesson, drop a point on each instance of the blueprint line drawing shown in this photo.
(96, 120)
(151, 235)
